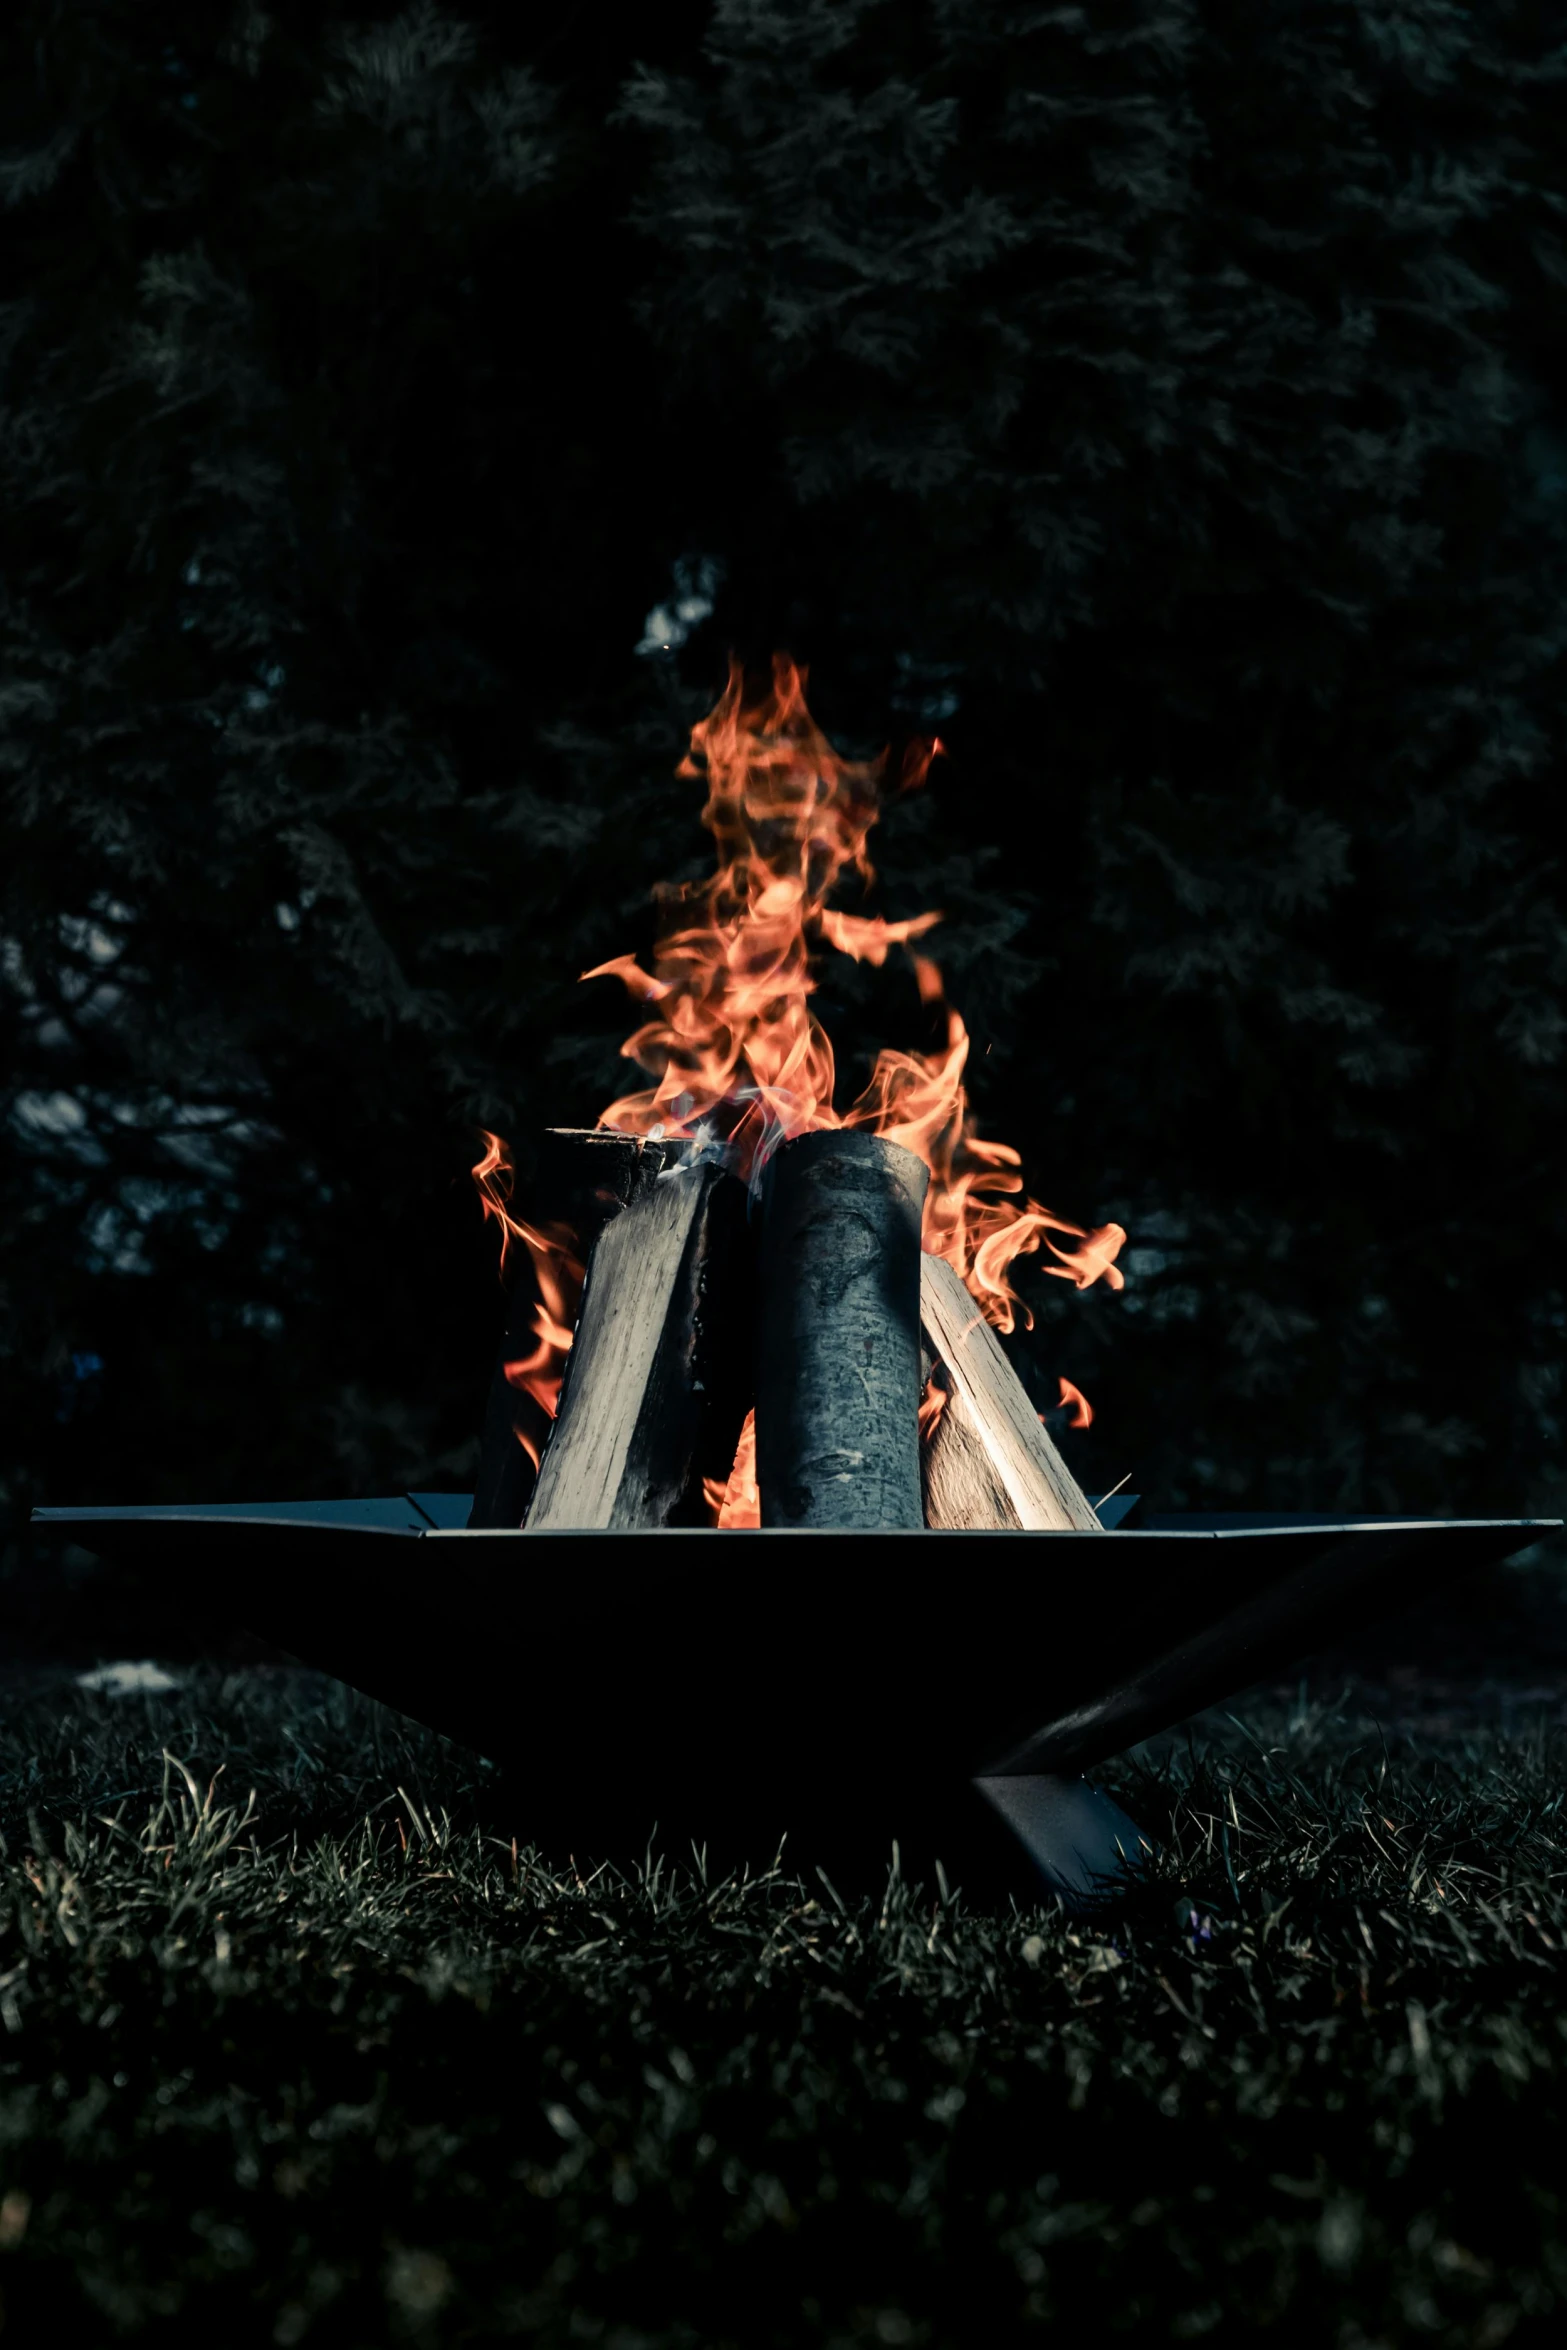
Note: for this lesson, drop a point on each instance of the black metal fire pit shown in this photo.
(719, 1680)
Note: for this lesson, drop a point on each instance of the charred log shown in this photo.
(838, 1368)
(988, 1460)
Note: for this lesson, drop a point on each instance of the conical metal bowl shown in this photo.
(777, 1660)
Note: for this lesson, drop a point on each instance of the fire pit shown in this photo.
(751, 1313)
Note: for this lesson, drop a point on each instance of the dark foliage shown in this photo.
(1165, 401)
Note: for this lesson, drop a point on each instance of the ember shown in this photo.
(741, 1068)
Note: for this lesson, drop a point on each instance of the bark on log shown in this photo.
(657, 1381)
(585, 1176)
(989, 1460)
(838, 1368)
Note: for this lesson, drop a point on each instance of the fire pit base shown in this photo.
(757, 1680)
(1082, 1843)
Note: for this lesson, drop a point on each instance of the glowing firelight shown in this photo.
(1082, 1409)
(557, 1273)
(734, 1049)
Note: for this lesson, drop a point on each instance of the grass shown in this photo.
(309, 2051)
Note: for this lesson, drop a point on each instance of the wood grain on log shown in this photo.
(838, 1365)
(989, 1460)
(586, 1175)
(657, 1380)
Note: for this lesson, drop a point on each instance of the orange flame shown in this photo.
(558, 1275)
(737, 1502)
(933, 1403)
(1082, 1409)
(731, 1040)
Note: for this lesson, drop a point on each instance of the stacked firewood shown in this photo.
(806, 1300)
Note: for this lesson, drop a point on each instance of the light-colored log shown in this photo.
(989, 1461)
(586, 1175)
(635, 1414)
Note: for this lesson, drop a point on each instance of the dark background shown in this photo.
(1164, 401)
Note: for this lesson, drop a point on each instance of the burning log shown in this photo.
(838, 1370)
(587, 1177)
(657, 1380)
(988, 1460)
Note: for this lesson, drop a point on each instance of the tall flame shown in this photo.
(736, 1053)
(730, 1039)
